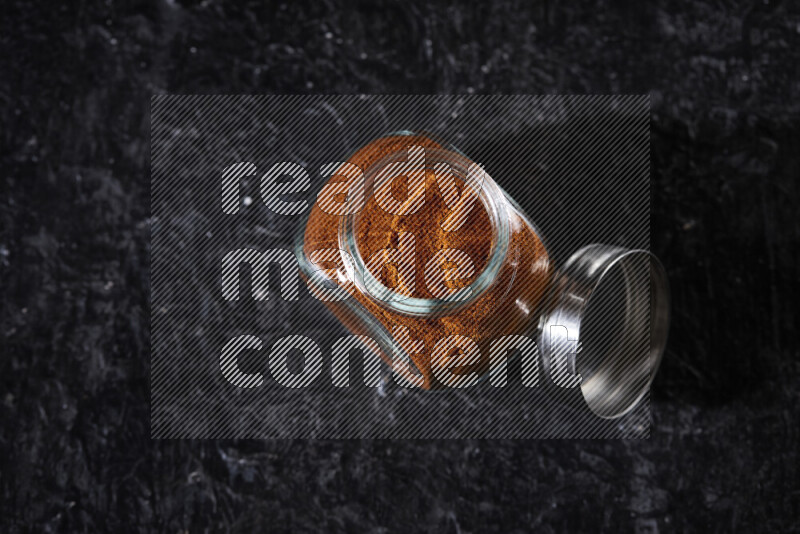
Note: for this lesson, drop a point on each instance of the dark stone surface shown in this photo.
(75, 451)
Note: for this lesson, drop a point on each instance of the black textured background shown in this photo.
(75, 85)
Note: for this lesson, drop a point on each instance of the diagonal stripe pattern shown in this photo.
(233, 178)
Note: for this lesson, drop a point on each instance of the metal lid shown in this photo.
(606, 326)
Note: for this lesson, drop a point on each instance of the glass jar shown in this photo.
(441, 274)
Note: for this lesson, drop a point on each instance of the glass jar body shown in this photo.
(500, 297)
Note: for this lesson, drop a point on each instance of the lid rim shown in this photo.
(571, 295)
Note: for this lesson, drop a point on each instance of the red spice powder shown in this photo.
(506, 307)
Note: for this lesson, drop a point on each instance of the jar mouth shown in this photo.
(492, 200)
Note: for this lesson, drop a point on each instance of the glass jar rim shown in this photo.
(493, 200)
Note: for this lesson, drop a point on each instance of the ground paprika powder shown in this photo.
(506, 253)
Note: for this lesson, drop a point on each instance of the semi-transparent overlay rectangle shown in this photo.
(578, 165)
